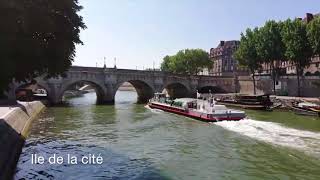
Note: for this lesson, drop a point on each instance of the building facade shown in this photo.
(312, 69)
(224, 63)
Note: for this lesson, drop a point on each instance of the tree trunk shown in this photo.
(298, 78)
(273, 77)
(254, 84)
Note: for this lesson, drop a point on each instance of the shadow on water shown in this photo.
(80, 129)
(114, 166)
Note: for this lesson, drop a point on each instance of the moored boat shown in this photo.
(256, 102)
(306, 108)
(204, 110)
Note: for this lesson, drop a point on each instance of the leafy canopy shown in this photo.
(313, 32)
(188, 61)
(269, 44)
(247, 54)
(294, 36)
(37, 37)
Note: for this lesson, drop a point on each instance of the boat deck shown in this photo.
(196, 114)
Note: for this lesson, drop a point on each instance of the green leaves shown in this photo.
(270, 47)
(297, 46)
(313, 33)
(246, 54)
(37, 37)
(269, 43)
(188, 61)
(291, 40)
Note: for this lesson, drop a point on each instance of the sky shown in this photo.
(139, 33)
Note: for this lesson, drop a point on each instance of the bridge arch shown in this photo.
(97, 86)
(144, 89)
(177, 89)
(210, 88)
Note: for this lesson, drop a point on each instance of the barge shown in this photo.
(200, 109)
(305, 108)
(261, 102)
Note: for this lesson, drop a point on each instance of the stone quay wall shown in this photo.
(14, 128)
(287, 85)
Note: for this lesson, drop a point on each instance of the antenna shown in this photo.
(104, 62)
(115, 62)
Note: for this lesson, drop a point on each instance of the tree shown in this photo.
(188, 61)
(270, 47)
(37, 37)
(165, 65)
(298, 49)
(247, 55)
(313, 33)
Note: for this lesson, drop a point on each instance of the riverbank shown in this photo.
(284, 100)
(126, 89)
(14, 128)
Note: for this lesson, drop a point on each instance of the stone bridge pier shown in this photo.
(106, 82)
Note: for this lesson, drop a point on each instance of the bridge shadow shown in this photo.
(142, 90)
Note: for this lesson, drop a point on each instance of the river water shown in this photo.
(139, 143)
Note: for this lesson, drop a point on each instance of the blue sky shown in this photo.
(140, 32)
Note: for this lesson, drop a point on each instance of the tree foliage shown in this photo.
(270, 47)
(313, 32)
(296, 41)
(298, 49)
(247, 54)
(188, 61)
(37, 37)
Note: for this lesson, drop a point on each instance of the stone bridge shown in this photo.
(106, 82)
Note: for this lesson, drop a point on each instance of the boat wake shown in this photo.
(275, 133)
(153, 110)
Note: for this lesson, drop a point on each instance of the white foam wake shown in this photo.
(275, 133)
(153, 110)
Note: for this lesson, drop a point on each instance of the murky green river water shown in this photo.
(138, 143)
